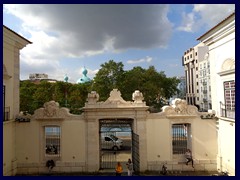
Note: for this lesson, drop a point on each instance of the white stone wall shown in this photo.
(80, 137)
(159, 143)
(226, 151)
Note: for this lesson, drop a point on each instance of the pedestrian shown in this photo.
(130, 167)
(119, 169)
(188, 156)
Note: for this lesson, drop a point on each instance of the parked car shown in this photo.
(111, 142)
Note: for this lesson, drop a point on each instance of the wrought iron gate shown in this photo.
(135, 152)
(108, 150)
(108, 158)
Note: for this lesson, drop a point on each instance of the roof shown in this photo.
(17, 34)
(233, 14)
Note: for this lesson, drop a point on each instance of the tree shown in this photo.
(108, 77)
(155, 86)
(77, 95)
(27, 89)
(44, 93)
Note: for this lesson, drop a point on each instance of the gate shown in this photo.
(108, 157)
(135, 153)
(110, 145)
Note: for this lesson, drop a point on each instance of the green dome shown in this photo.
(84, 77)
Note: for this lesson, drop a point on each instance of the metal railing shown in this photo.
(6, 114)
(227, 111)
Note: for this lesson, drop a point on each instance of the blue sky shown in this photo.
(65, 38)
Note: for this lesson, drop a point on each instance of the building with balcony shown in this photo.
(190, 61)
(221, 57)
(205, 99)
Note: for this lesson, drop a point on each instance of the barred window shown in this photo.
(180, 134)
(52, 138)
(229, 93)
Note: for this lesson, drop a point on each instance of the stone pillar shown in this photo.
(92, 144)
(142, 144)
(141, 130)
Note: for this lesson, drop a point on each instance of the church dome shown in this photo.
(84, 77)
(84, 71)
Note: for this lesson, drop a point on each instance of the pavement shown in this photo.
(111, 172)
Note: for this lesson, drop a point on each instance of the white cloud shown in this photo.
(64, 31)
(188, 22)
(205, 15)
(85, 30)
(212, 14)
(142, 60)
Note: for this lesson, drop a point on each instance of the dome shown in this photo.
(66, 78)
(84, 71)
(84, 77)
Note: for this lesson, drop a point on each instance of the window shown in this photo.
(196, 53)
(180, 134)
(52, 139)
(229, 91)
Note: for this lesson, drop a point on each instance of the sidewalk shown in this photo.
(111, 172)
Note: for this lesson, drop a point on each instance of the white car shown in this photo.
(111, 142)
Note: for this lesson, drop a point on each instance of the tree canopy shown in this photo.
(154, 85)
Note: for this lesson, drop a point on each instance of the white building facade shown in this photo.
(221, 42)
(12, 44)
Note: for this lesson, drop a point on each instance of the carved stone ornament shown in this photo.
(137, 97)
(180, 107)
(115, 97)
(50, 108)
(93, 97)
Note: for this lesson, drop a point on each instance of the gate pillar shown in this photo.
(92, 145)
(141, 131)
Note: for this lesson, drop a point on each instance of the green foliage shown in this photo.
(155, 86)
(33, 96)
(108, 77)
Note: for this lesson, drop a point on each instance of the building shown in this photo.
(182, 88)
(84, 77)
(190, 61)
(204, 94)
(221, 56)
(12, 44)
(38, 76)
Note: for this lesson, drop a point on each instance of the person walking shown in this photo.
(130, 167)
(119, 169)
(188, 156)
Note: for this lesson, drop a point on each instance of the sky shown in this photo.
(68, 37)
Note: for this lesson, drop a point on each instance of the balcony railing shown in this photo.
(227, 111)
(6, 114)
